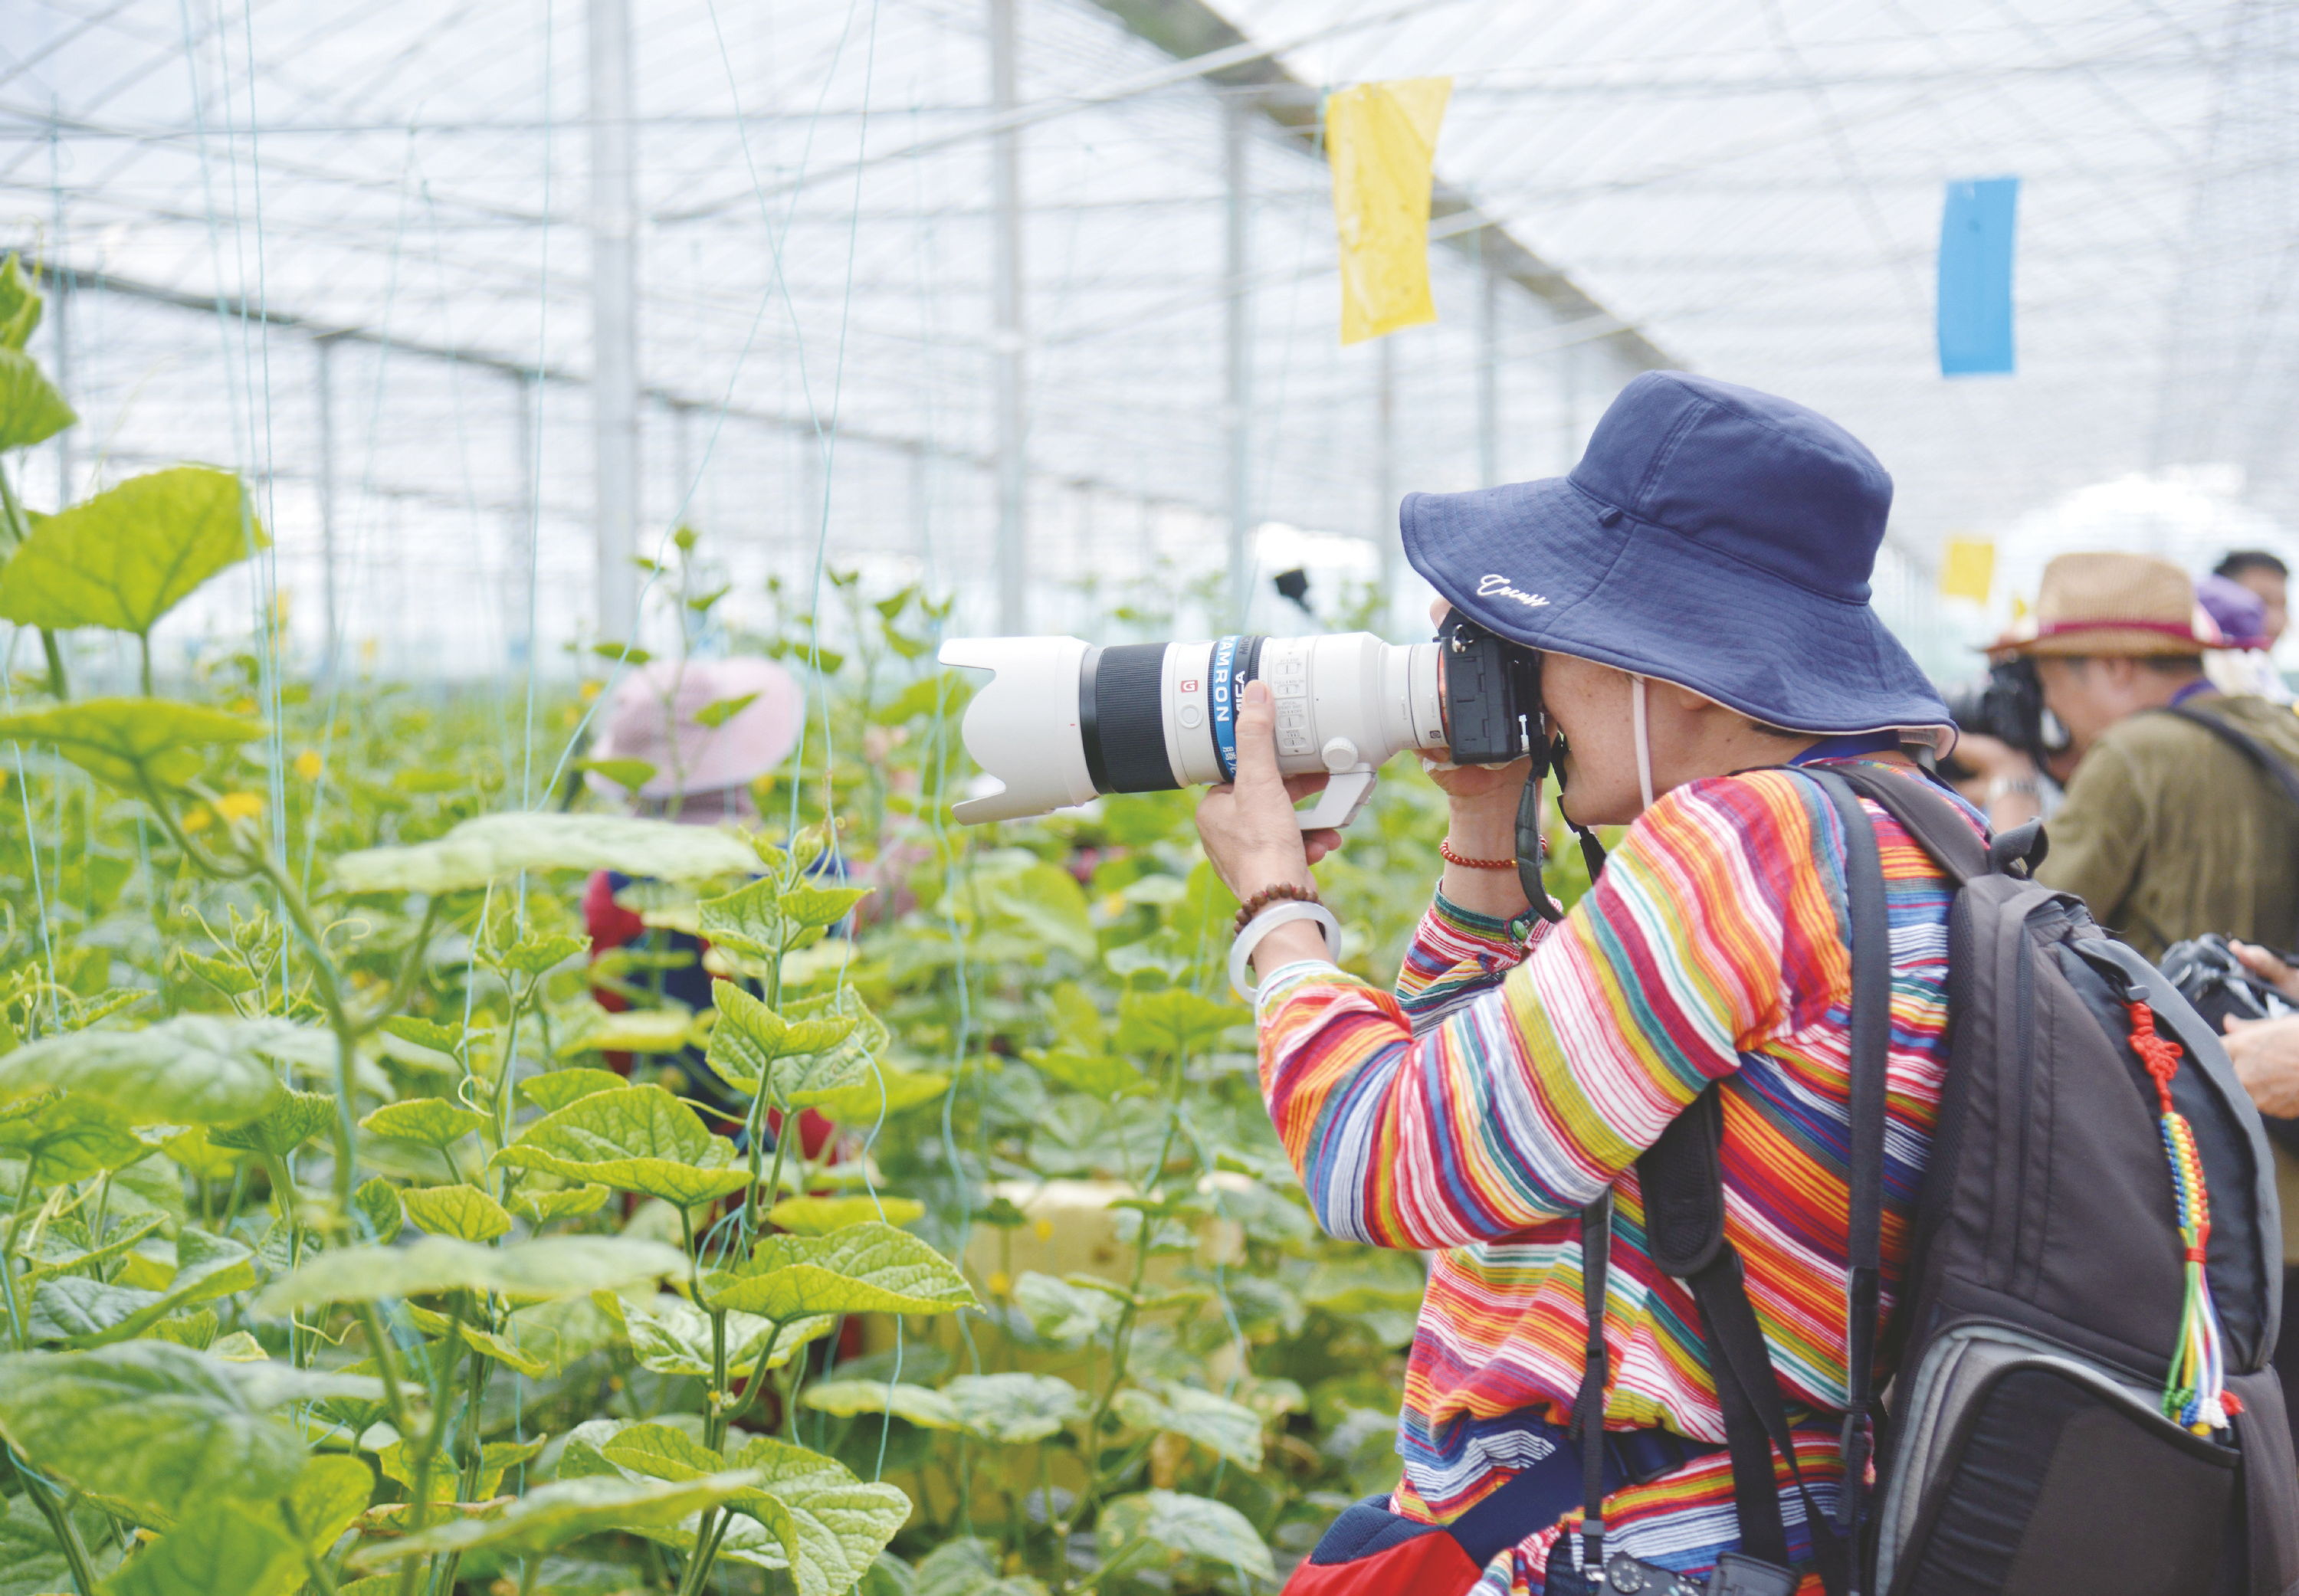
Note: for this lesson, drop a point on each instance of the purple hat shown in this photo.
(1711, 536)
(740, 748)
(2241, 614)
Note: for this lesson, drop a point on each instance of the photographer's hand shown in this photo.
(1252, 835)
(2011, 798)
(2269, 966)
(1483, 825)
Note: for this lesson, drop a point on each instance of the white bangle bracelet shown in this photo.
(1282, 913)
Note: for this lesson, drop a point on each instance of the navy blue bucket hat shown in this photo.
(1711, 536)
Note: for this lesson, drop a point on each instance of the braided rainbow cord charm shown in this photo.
(2195, 1393)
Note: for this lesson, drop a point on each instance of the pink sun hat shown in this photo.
(744, 747)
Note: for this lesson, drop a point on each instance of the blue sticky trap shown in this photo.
(1976, 231)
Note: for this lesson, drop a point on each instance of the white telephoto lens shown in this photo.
(1063, 721)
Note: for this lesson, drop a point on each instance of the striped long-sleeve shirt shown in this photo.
(1503, 1087)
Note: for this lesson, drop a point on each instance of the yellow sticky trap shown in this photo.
(1381, 139)
(1968, 570)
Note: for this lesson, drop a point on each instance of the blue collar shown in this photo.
(1849, 746)
(2194, 689)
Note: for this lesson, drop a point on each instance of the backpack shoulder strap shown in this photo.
(1868, 912)
(1937, 825)
(2271, 763)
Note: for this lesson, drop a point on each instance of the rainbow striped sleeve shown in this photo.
(1455, 955)
(1523, 1103)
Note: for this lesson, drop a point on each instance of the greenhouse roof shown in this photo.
(400, 194)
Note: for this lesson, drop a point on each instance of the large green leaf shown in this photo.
(806, 904)
(1232, 1429)
(1014, 1407)
(1061, 1313)
(969, 1567)
(494, 846)
(882, 1092)
(193, 1069)
(672, 1336)
(146, 1422)
(68, 1138)
(1097, 1075)
(564, 1510)
(464, 1213)
(432, 1120)
(819, 1216)
(815, 1050)
(31, 410)
(746, 921)
(839, 1523)
(129, 742)
(1176, 1021)
(90, 1312)
(33, 1561)
(294, 1118)
(541, 1207)
(553, 1266)
(555, 1090)
(1191, 1525)
(20, 304)
(222, 1547)
(534, 1355)
(920, 1405)
(869, 1268)
(129, 556)
(749, 1036)
(637, 1139)
(658, 1451)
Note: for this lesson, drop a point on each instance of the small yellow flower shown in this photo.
(308, 764)
(1000, 1284)
(591, 690)
(198, 819)
(1113, 905)
(1043, 1230)
(244, 706)
(239, 805)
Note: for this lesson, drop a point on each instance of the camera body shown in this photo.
(1492, 696)
(2008, 705)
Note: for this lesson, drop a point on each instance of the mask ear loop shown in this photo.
(1644, 742)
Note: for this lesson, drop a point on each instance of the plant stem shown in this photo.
(757, 1382)
(418, 1511)
(17, 531)
(318, 1570)
(331, 998)
(144, 646)
(60, 1525)
(385, 1355)
(8, 1249)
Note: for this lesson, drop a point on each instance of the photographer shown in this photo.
(2167, 830)
(1698, 588)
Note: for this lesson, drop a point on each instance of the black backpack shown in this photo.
(2024, 1448)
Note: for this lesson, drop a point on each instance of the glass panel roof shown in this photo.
(398, 194)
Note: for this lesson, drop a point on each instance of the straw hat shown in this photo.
(2106, 603)
(750, 742)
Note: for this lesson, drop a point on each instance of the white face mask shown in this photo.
(1644, 742)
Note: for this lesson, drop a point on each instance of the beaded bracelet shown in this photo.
(1444, 849)
(1268, 895)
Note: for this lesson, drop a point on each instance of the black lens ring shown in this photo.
(1089, 720)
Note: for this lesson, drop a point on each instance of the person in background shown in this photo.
(2167, 830)
(701, 775)
(2269, 577)
(2244, 666)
